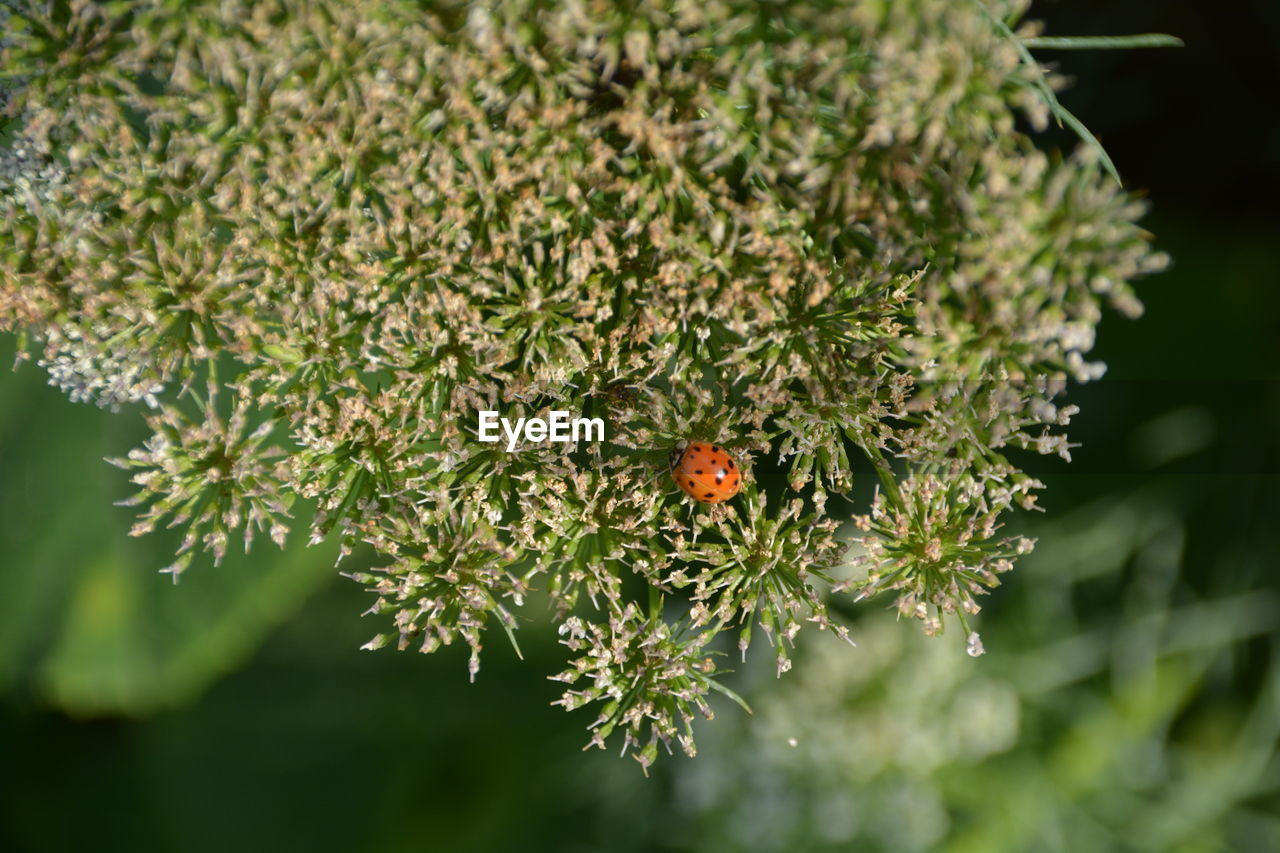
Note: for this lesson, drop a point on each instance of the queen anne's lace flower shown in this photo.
(812, 234)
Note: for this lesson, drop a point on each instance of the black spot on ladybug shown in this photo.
(730, 463)
(715, 449)
(720, 476)
(709, 495)
(699, 471)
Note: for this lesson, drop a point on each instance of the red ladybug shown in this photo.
(705, 471)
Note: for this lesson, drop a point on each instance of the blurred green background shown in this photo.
(1129, 698)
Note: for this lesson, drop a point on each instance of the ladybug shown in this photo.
(705, 471)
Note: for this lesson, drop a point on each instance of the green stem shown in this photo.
(655, 606)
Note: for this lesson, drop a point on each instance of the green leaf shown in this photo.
(720, 688)
(1066, 117)
(1060, 112)
(1102, 42)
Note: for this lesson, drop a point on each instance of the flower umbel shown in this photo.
(812, 234)
(212, 477)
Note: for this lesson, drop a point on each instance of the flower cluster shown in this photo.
(812, 233)
(210, 477)
(644, 675)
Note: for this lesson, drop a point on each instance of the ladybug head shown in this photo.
(677, 452)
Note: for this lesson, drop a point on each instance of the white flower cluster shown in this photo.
(88, 371)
